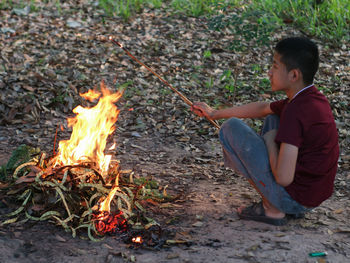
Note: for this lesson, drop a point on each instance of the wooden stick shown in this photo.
(54, 142)
(183, 97)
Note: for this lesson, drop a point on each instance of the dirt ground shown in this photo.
(51, 55)
(205, 219)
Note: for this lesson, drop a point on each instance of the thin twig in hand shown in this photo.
(183, 97)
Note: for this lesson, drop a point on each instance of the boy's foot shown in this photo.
(296, 216)
(256, 212)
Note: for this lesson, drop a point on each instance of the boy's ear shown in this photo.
(295, 75)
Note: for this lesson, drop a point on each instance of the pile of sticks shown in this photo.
(70, 196)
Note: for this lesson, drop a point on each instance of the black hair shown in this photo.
(299, 53)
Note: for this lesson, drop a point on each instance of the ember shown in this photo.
(137, 239)
(154, 237)
(106, 222)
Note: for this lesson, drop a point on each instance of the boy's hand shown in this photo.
(202, 110)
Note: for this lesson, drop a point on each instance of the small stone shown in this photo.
(5, 30)
(73, 24)
(198, 224)
(22, 11)
(135, 134)
(199, 217)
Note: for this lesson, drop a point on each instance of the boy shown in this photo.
(293, 163)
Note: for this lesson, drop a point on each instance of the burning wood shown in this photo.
(106, 222)
(80, 186)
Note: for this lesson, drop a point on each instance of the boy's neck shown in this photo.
(292, 91)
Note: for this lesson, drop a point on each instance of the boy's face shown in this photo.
(278, 74)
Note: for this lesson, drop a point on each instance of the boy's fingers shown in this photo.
(200, 112)
(197, 111)
(194, 107)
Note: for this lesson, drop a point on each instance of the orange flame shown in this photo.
(105, 205)
(91, 128)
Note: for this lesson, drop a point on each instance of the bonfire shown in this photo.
(79, 186)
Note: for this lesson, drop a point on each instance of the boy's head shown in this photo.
(299, 53)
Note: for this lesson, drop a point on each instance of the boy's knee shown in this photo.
(229, 128)
(230, 124)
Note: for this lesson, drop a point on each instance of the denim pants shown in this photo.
(245, 152)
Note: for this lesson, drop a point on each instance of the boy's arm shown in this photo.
(283, 160)
(251, 110)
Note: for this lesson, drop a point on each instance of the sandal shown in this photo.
(256, 212)
(296, 216)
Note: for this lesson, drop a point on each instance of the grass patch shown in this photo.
(127, 8)
(123, 8)
(249, 27)
(329, 19)
(194, 7)
(6, 4)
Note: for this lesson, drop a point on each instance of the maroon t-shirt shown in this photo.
(307, 122)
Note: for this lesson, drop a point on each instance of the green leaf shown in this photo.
(21, 155)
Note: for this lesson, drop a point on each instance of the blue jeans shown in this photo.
(245, 152)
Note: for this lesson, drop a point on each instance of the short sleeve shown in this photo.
(277, 106)
(291, 129)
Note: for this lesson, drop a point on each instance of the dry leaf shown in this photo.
(29, 178)
(59, 238)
